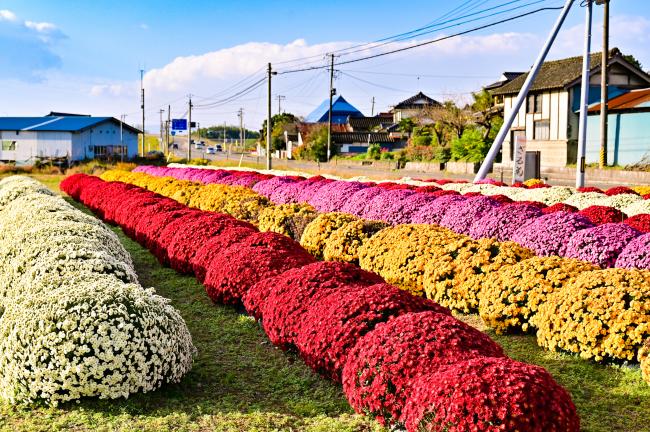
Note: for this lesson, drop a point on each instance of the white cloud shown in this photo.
(111, 90)
(7, 15)
(144, 26)
(45, 31)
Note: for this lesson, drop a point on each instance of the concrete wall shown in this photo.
(628, 138)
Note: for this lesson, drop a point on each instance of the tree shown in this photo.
(484, 113)
(278, 124)
(470, 146)
(633, 60)
(406, 125)
(315, 144)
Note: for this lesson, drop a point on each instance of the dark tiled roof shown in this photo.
(360, 137)
(558, 74)
(417, 101)
(367, 123)
(506, 78)
(626, 101)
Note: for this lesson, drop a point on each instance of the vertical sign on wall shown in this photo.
(519, 168)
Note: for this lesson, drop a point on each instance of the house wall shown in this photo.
(628, 136)
(107, 134)
(27, 147)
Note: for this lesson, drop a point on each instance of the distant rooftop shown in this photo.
(72, 123)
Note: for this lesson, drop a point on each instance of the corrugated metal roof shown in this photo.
(55, 124)
(630, 100)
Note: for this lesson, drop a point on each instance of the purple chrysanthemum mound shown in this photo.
(309, 188)
(601, 245)
(331, 197)
(433, 212)
(460, 216)
(287, 193)
(636, 254)
(403, 212)
(500, 223)
(384, 206)
(358, 201)
(267, 187)
(547, 235)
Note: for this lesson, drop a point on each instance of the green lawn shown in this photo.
(241, 383)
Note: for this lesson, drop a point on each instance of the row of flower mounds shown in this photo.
(403, 359)
(74, 321)
(602, 315)
(593, 232)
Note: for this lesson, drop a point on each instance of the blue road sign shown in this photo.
(179, 124)
(173, 132)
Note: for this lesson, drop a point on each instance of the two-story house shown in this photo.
(549, 118)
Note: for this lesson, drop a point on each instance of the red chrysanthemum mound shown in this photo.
(620, 190)
(283, 301)
(560, 207)
(146, 214)
(502, 199)
(183, 246)
(427, 189)
(214, 246)
(259, 256)
(165, 236)
(590, 189)
(335, 323)
(640, 222)
(489, 395)
(539, 205)
(539, 186)
(379, 369)
(444, 192)
(599, 215)
(646, 196)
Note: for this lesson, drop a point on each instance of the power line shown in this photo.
(429, 42)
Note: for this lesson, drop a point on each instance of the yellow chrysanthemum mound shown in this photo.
(533, 182)
(399, 254)
(455, 274)
(288, 219)
(320, 229)
(344, 243)
(510, 298)
(641, 190)
(600, 314)
(644, 360)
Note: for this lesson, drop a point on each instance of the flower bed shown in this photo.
(75, 322)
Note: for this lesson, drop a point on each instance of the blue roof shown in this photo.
(341, 109)
(57, 124)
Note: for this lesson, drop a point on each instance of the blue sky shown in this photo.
(85, 56)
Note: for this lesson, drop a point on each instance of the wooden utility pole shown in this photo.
(604, 94)
(372, 110)
(240, 115)
(162, 129)
(268, 121)
(142, 107)
(280, 99)
(329, 122)
(169, 124)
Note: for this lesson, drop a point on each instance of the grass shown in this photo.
(241, 383)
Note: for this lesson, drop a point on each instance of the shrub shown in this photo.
(399, 254)
(640, 222)
(501, 222)
(636, 254)
(214, 246)
(357, 202)
(460, 216)
(258, 256)
(344, 243)
(288, 219)
(547, 235)
(510, 298)
(332, 196)
(559, 207)
(599, 215)
(332, 325)
(600, 245)
(433, 212)
(379, 369)
(454, 275)
(316, 234)
(600, 314)
(488, 395)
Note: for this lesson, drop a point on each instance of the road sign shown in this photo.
(173, 132)
(519, 169)
(179, 124)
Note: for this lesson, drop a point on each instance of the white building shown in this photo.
(549, 118)
(28, 139)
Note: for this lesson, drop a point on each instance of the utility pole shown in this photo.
(122, 119)
(521, 97)
(268, 120)
(169, 123)
(584, 99)
(372, 111)
(329, 121)
(162, 130)
(604, 96)
(280, 98)
(189, 131)
(142, 107)
(240, 116)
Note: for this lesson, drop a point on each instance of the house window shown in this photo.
(542, 131)
(99, 151)
(534, 104)
(514, 134)
(8, 145)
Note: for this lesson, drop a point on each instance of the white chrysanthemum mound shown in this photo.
(74, 322)
(107, 339)
(637, 207)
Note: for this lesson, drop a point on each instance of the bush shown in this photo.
(501, 222)
(344, 243)
(460, 216)
(318, 231)
(547, 235)
(333, 325)
(470, 147)
(599, 215)
(454, 275)
(644, 360)
(600, 245)
(636, 254)
(600, 314)
(510, 298)
(288, 219)
(488, 395)
(379, 369)
(399, 254)
(374, 152)
(640, 222)
(214, 246)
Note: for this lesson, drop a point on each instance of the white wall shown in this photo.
(107, 134)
